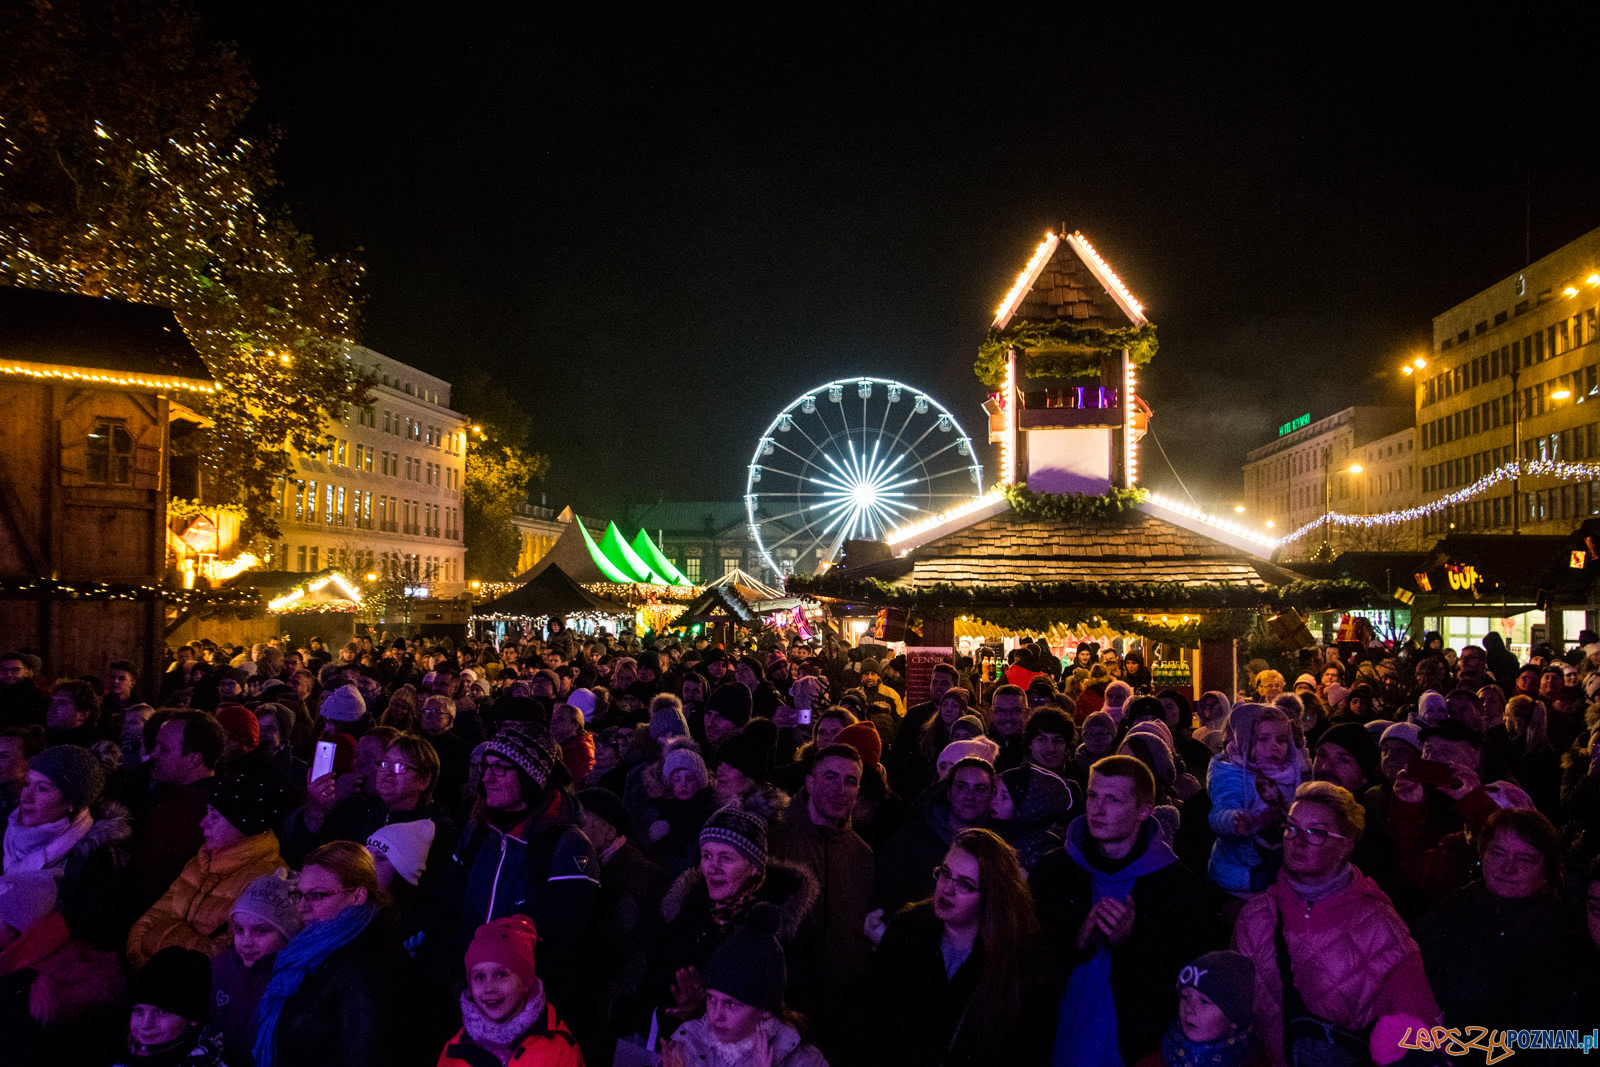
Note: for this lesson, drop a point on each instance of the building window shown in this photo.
(730, 565)
(110, 453)
(691, 569)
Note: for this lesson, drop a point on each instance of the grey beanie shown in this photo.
(344, 704)
(267, 898)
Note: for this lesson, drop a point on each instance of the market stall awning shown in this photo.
(550, 592)
(646, 550)
(718, 603)
(749, 587)
(625, 559)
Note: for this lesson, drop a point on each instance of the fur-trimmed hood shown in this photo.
(113, 828)
(789, 886)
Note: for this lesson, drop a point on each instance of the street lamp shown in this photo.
(1326, 551)
(1408, 369)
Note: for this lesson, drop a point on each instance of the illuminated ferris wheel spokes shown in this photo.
(834, 467)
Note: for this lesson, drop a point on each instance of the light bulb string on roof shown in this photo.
(1539, 468)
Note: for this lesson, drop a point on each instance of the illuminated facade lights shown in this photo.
(1108, 278)
(1227, 526)
(1025, 280)
(131, 381)
(1130, 382)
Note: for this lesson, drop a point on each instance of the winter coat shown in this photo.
(922, 1016)
(543, 868)
(577, 753)
(549, 1044)
(1171, 927)
(695, 1042)
(1044, 803)
(235, 993)
(202, 1048)
(842, 865)
(627, 919)
(906, 863)
(194, 912)
(1509, 964)
(1353, 958)
(168, 820)
(692, 934)
(59, 998)
(349, 1011)
(1239, 863)
(1427, 867)
(91, 878)
(679, 848)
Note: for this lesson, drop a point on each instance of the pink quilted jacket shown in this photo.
(1352, 956)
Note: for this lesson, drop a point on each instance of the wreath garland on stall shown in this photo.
(1061, 349)
(1073, 507)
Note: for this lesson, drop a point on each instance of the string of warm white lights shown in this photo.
(1539, 468)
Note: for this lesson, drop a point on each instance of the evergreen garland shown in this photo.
(1073, 507)
(1061, 349)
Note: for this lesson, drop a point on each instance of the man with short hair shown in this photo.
(122, 678)
(903, 748)
(182, 771)
(814, 831)
(1122, 915)
(1008, 721)
(70, 717)
(21, 702)
(438, 719)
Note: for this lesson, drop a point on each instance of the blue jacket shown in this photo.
(544, 868)
(1233, 857)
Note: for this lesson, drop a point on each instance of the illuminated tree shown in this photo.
(500, 467)
(125, 172)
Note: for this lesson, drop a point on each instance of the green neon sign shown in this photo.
(1295, 424)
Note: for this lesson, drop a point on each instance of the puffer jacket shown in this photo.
(696, 1045)
(1353, 959)
(1239, 863)
(59, 998)
(193, 912)
(91, 877)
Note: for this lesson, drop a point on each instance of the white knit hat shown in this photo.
(344, 704)
(405, 845)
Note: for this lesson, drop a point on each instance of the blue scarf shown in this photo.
(1086, 1030)
(1235, 1050)
(309, 950)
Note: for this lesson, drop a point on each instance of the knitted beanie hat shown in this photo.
(863, 737)
(177, 980)
(344, 704)
(1354, 739)
(508, 941)
(743, 831)
(746, 752)
(731, 700)
(749, 965)
(983, 748)
(405, 845)
(666, 720)
(584, 700)
(74, 770)
(971, 723)
(26, 897)
(240, 725)
(267, 898)
(1408, 732)
(526, 745)
(684, 757)
(252, 803)
(1228, 979)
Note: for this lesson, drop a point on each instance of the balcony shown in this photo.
(389, 527)
(431, 531)
(413, 529)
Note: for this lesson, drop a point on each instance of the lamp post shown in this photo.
(1326, 551)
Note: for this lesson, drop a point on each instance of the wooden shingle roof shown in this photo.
(1067, 290)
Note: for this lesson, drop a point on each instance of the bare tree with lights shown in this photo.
(125, 173)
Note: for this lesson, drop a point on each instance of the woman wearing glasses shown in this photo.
(1502, 948)
(957, 972)
(333, 995)
(1351, 960)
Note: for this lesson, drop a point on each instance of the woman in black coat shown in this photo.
(334, 999)
(1502, 952)
(957, 975)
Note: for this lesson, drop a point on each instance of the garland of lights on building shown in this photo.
(1539, 468)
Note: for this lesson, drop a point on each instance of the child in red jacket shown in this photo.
(503, 1010)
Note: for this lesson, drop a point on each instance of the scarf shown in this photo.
(296, 961)
(500, 1038)
(1235, 1050)
(724, 912)
(35, 848)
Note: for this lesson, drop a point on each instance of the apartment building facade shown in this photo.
(1311, 464)
(1514, 370)
(385, 498)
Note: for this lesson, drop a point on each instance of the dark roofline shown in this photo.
(92, 333)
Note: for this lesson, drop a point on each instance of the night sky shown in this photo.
(656, 230)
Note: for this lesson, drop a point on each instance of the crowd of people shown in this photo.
(573, 849)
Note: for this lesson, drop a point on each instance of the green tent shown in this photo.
(646, 550)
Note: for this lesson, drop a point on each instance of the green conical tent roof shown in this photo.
(625, 559)
(607, 565)
(646, 550)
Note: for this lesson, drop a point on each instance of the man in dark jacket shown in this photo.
(22, 703)
(1123, 915)
(182, 770)
(814, 832)
(904, 748)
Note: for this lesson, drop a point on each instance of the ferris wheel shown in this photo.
(854, 458)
